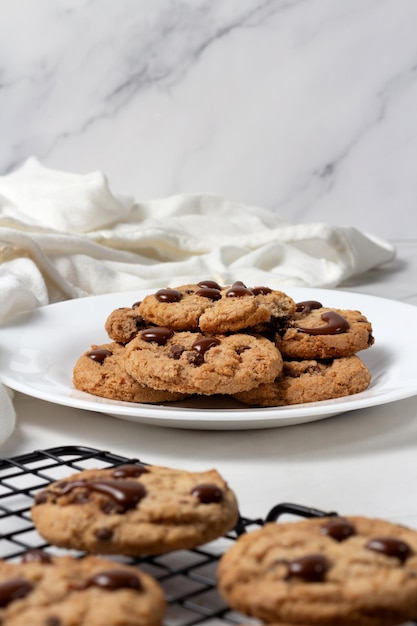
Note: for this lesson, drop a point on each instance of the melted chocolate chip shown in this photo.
(127, 493)
(130, 469)
(136, 304)
(110, 507)
(206, 292)
(81, 497)
(261, 291)
(307, 306)
(99, 355)
(390, 546)
(113, 579)
(13, 589)
(338, 529)
(36, 556)
(207, 493)
(311, 568)
(53, 620)
(140, 322)
(238, 290)
(335, 324)
(104, 534)
(309, 369)
(43, 497)
(159, 334)
(195, 358)
(204, 344)
(175, 351)
(168, 295)
(210, 284)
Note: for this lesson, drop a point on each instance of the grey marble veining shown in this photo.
(303, 107)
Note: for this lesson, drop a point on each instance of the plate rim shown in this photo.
(175, 415)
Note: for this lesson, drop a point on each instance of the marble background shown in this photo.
(305, 107)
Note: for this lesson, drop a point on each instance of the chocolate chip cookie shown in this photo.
(332, 570)
(317, 332)
(310, 381)
(193, 363)
(135, 510)
(213, 309)
(100, 371)
(124, 323)
(45, 590)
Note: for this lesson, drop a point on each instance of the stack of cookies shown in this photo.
(254, 344)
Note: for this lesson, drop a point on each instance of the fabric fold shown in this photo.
(66, 235)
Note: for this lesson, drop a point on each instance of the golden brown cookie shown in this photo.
(310, 381)
(124, 323)
(64, 591)
(135, 510)
(326, 571)
(213, 309)
(193, 363)
(100, 371)
(317, 332)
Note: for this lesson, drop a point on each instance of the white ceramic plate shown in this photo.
(38, 351)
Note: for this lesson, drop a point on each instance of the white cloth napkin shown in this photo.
(66, 235)
(7, 414)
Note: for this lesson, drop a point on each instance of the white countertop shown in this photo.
(304, 108)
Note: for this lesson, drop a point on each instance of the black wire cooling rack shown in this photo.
(188, 577)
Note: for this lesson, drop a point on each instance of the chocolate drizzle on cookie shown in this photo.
(335, 324)
(125, 493)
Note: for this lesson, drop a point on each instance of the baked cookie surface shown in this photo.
(65, 591)
(100, 371)
(123, 324)
(310, 381)
(135, 510)
(193, 363)
(208, 307)
(333, 570)
(323, 333)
